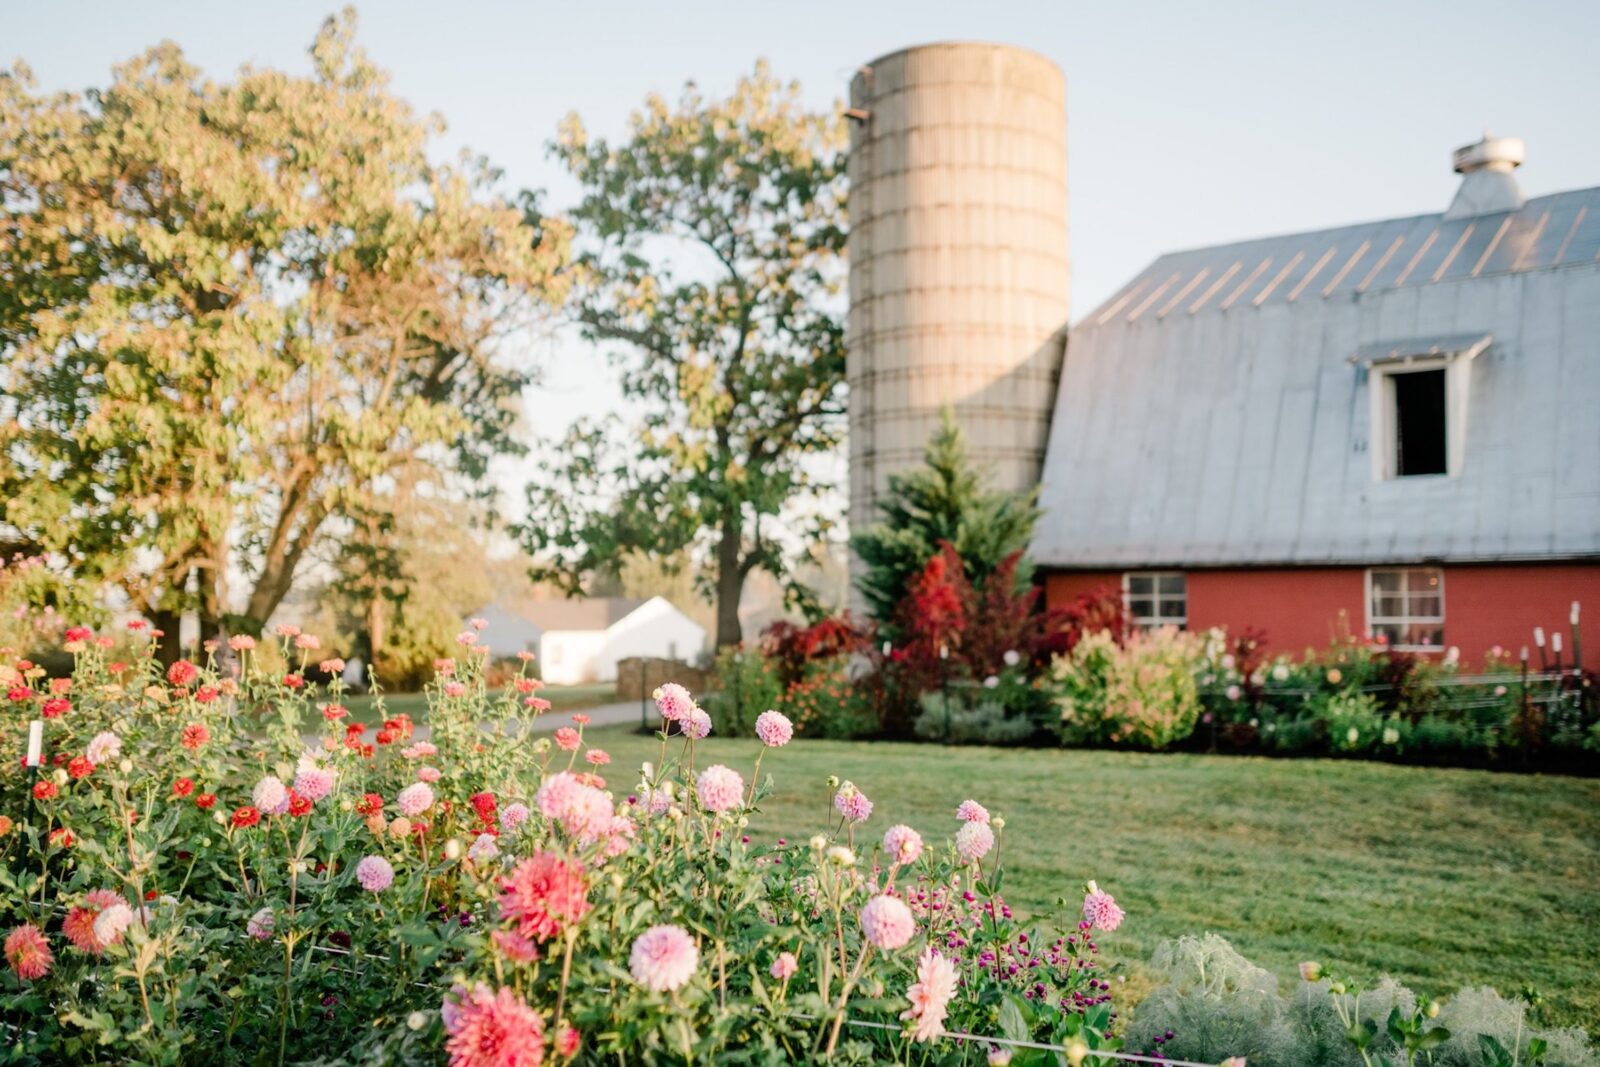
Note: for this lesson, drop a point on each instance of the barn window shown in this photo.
(1420, 394)
(1419, 424)
(1405, 606)
(1156, 598)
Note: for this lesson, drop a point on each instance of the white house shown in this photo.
(582, 640)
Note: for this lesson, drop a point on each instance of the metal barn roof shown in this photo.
(1215, 411)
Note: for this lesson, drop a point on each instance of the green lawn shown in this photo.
(563, 698)
(1442, 878)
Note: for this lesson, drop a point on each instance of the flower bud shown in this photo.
(833, 781)
(60, 776)
(416, 1020)
(819, 842)
(1076, 1051)
(1311, 970)
(452, 849)
(1433, 1009)
(125, 766)
(401, 827)
(998, 823)
(219, 818)
(347, 805)
(744, 822)
(840, 856)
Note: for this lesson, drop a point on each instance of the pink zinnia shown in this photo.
(673, 701)
(903, 844)
(110, 924)
(568, 739)
(428, 774)
(597, 757)
(973, 841)
(785, 966)
(374, 873)
(1100, 909)
(415, 799)
(852, 803)
(774, 728)
(420, 749)
(270, 796)
(513, 816)
(491, 1029)
(454, 689)
(241, 642)
(543, 894)
(79, 923)
(972, 811)
(886, 922)
(719, 788)
(582, 810)
(930, 995)
(514, 946)
(28, 952)
(663, 958)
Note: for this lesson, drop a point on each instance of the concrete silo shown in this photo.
(958, 259)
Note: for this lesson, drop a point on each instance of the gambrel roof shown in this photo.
(1214, 411)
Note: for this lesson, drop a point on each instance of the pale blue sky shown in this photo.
(1188, 123)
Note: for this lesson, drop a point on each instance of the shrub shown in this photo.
(1215, 1003)
(183, 884)
(827, 702)
(1142, 693)
(748, 684)
(968, 715)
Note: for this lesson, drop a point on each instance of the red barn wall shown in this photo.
(1299, 607)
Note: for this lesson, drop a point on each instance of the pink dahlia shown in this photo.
(568, 739)
(79, 923)
(973, 841)
(852, 803)
(543, 894)
(886, 922)
(28, 952)
(111, 923)
(697, 724)
(313, 782)
(930, 995)
(774, 729)
(719, 788)
(105, 747)
(972, 811)
(1100, 909)
(374, 873)
(270, 796)
(582, 810)
(673, 701)
(663, 958)
(514, 946)
(903, 844)
(491, 1029)
(785, 966)
(414, 799)
(483, 849)
(513, 816)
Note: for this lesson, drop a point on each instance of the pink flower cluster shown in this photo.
(488, 1028)
(852, 803)
(374, 873)
(1100, 909)
(720, 788)
(774, 729)
(673, 701)
(902, 844)
(414, 799)
(663, 958)
(581, 810)
(930, 995)
(543, 894)
(887, 923)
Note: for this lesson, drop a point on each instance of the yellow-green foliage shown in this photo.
(1142, 693)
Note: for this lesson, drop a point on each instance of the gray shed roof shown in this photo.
(1215, 410)
(588, 613)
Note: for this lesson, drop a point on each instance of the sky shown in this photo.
(1188, 123)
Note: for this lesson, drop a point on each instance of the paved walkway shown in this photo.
(625, 713)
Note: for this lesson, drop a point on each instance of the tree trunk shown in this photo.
(169, 650)
(730, 582)
(376, 634)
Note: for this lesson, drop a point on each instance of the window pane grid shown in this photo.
(1406, 606)
(1156, 599)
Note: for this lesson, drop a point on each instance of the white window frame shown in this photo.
(1452, 355)
(1406, 620)
(1148, 622)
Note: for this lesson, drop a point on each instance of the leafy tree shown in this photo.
(942, 501)
(235, 315)
(710, 266)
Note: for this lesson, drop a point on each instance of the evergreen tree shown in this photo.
(946, 500)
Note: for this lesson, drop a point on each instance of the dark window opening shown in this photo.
(1419, 427)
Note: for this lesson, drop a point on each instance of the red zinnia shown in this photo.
(293, 681)
(370, 803)
(299, 804)
(78, 633)
(206, 694)
(205, 801)
(44, 789)
(182, 673)
(80, 767)
(245, 816)
(183, 787)
(63, 837)
(542, 894)
(484, 805)
(55, 707)
(195, 735)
